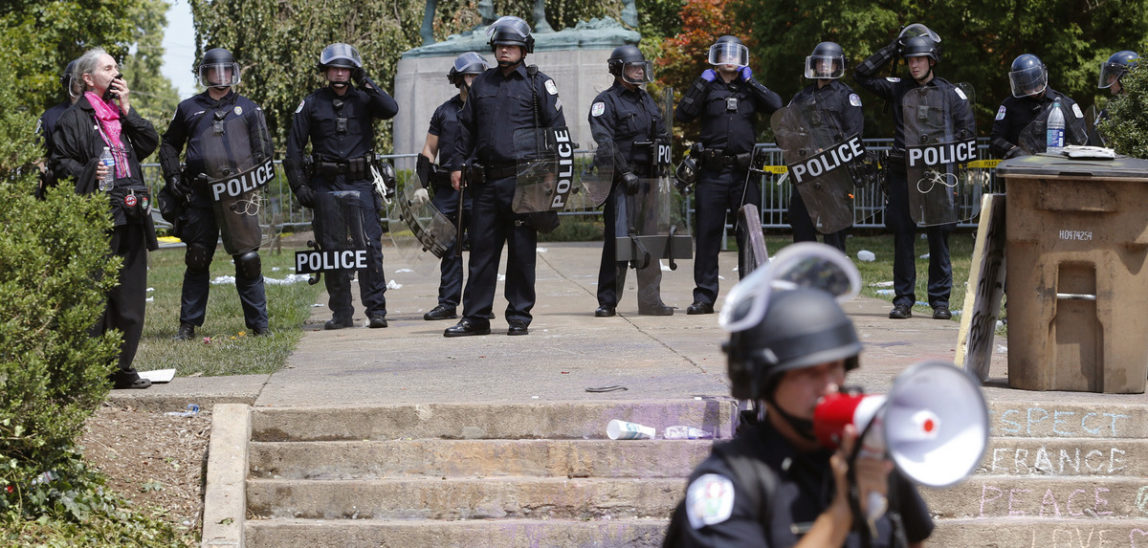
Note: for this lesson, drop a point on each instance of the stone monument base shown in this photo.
(421, 86)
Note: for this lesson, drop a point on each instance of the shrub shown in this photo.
(1126, 128)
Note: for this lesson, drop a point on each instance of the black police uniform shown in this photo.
(78, 143)
(342, 143)
(193, 121)
(838, 105)
(444, 125)
(496, 107)
(1016, 113)
(44, 128)
(802, 488)
(619, 117)
(728, 133)
(897, 217)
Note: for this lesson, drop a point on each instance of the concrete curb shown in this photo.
(224, 498)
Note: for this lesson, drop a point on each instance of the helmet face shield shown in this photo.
(218, 75)
(638, 72)
(802, 265)
(340, 55)
(1110, 73)
(918, 29)
(729, 53)
(1028, 81)
(824, 67)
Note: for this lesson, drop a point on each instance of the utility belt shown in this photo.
(500, 170)
(719, 159)
(354, 168)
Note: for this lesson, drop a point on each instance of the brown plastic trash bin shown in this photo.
(1077, 279)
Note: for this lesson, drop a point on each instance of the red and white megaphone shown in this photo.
(933, 424)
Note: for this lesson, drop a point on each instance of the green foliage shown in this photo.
(1126, 128)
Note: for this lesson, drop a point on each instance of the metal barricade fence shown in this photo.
(281, 210)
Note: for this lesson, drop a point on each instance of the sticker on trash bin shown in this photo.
(1078, 235)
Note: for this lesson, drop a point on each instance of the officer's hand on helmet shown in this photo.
(631, 183)
(744, 74)
(420, 197)
(305, 195)
(359, 76)
(709, 75)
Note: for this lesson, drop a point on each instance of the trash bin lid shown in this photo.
(1045, 165)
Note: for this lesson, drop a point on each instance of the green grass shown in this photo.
(232, 350)
(881, 270)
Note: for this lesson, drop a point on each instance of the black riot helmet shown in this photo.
(1117, 65)
(801, 328)
(218, 69)
(728, 50)
(1027, 76)
(339, 55)
(921, 46)
(510, 30)
(66, 79)
(625, 63)
(467, 63)
(826, 62)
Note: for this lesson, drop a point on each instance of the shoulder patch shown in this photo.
(709, 500)
(893, 79)
(960, 94)
(238, 110)
(597, 109)
(557, 104)
(854, 99)
(1001, 112)
(300, 107)
(551, 87)
(1076, 110)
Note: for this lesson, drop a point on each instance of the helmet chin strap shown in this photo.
(803, 427)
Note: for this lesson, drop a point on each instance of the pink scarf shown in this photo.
(108, 116)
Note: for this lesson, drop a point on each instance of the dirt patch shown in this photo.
(154, 460)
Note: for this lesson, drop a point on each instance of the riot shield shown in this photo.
(340, 241)
(1033, 139)
(942, 188)
(237, 164)
(546, 172)
(818, 157)
(644, 229)
(420, 233)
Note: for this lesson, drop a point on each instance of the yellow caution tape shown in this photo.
(169, 239)
(778, 170)
(984, 164)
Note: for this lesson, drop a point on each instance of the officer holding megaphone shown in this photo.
(791, 345)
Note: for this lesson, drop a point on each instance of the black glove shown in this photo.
(631, 183)
(1014, 152)
(181, 191)
(305, 195)
(359, 76)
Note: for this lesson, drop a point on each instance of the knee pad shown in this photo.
(248, 266)
(198, 257)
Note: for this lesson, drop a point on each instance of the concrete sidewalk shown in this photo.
(568, 349)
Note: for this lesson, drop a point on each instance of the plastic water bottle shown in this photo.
(106, 159)
(1054, 135)
(686, 433)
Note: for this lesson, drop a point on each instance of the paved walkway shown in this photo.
(568, 349)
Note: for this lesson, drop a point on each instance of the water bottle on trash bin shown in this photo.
(106, 159)
(1054, 135)
(679, 432)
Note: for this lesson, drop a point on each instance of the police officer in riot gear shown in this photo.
(727, 99)
(1031, 96)
(47, 124)
(837, 106)
(1114, 69)
(187, 196)
(441, 137)
(774, 485)
(338, 120)
(922, 54)
(502, 100)
(627, 124)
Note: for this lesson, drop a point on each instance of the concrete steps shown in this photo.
(1055, 474)
(539, 474)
